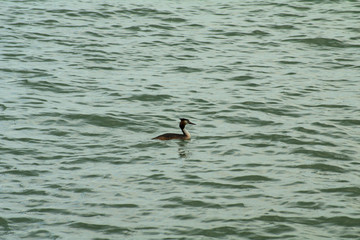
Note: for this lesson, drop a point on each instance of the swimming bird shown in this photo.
(185, 136)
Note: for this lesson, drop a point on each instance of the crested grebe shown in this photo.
(185, 136)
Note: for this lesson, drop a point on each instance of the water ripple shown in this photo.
(272, 87)
(107, 229)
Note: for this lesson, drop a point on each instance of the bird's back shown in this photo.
(169, 136)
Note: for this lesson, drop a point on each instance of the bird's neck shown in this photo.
(185, 132)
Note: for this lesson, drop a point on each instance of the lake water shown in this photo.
(273, 87)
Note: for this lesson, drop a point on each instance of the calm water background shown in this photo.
(273, 87)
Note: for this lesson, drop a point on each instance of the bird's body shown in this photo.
(185, 136)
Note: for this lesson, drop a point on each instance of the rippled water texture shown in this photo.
(273, 87)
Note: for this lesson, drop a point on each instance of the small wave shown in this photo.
(50, 210)
(307, 205)
(114, 205)
(162, 26)
(216, 232)
(94, 34)
(43, 85)
(134, 28)
(306, 130)
(322, 167)
(2, 108)
(180, 202)
(149, 97)
(290, 62)
(184, 217)
(107, 229)
(29, 192)
(219, 185)
(241, 78)
(349, 191)
(40, 234)
(93, 14)
(283, 26)
(99, 120)
(27, 173)
(259, 33)
(184, 69)
(174, 19)
(341, 106)
(348, 122)
(323, 42)
(343, 221)
(250, 178)
(321, 154)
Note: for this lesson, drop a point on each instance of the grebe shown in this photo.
(185, 136)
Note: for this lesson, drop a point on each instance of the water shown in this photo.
(273, 87)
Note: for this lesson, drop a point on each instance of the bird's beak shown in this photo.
(192, 123)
